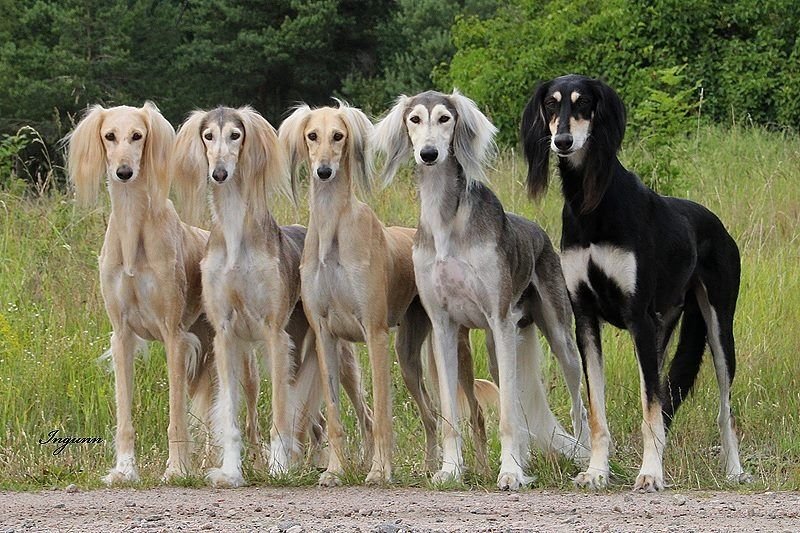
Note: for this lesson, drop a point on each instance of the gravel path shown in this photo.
(296, 510)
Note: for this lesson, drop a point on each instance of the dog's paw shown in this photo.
(740, 478)
(121, 475)
(220, 478)
(444, 477)
(592, 480)
(172, 473)
(512, 480)
(378, 476)
(648, 483)
(329, 479)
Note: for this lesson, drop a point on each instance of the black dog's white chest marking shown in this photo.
(618, 264)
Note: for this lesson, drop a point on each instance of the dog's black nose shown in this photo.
(124, 173)
(563, 141)
(429, 154)
(219, 174)
(324, 172)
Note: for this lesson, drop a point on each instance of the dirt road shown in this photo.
(297, 510)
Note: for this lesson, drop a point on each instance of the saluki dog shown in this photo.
(251, 281)
(149, 270)
(638, 261)
(480, 267)
(358, 280)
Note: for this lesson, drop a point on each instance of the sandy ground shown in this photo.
(296, 510)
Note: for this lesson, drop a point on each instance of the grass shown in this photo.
(53, 327)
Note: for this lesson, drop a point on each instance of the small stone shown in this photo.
(153, 518)
(211, 512)
(514, 497)
(207, 525)
(604, 528)
(295, 529)
(230, 514)
(60, 505)
(617, 509)
(386, 528)
(679, 499)
(286, 525)
(365, 512)
(258, 509)
(130, 504)
(72, 488)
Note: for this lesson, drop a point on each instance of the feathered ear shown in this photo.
(86, 156)
(157, 149)
(262, 161)
(391, 137)
(293, 141)
(359, 152)
(535, 136)
(473, 138)
(608, 130)
(189, 168)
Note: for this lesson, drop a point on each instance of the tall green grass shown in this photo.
(53, 327)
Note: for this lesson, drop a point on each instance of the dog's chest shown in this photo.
(609, 272)
(465, 286)
(141, 302)
(332, 292)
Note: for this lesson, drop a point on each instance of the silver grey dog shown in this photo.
(480, 267)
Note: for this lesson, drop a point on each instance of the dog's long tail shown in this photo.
(306, 390)
(685, 365)
(538, 420)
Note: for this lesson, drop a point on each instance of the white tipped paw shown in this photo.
(648, 483)
(172, 473)
(513, 480)
(593, 479)
(220, 478)
(741, 477)
(121, 475)
(329, 479)
(378, 477)
(443, 477)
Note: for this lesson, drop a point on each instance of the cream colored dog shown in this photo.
(358, 281)
(149, 270)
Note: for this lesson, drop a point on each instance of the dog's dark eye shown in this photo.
(209, 136)
(235, 135)
(312, 136)
(551, 104)
(110, 136)
(338, 136)
(415, 119)
(443, 119)
(136, 136)
(582, 103)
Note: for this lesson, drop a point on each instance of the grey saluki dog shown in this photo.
(358, 282)
(480, 267)
(149, 271)
(251, 281)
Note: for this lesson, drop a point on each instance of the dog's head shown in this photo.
(581, 120)
(333, 141)
(123, 143)
(228, 147)
(436, 126)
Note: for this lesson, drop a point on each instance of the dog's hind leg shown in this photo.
(181, 347)
(719, 322)
(329, 365)
(251, 383)
(123, 350)
(467, 383)
(377, 337)
(411, 334)
(283, 444)
(350, 373)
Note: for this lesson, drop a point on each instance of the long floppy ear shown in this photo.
(473, 138)
(608, 130)
(293, 140)
(535, 136)
(86, 156)
(189, 168)
(157, 149)
(262, 161)
(391, 137)
(359, 152)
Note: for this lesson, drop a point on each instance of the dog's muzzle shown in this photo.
(563, 143)
(124, 172)
(219, 174)
(429, 155)
(324, 172)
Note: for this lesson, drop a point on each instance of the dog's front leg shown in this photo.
(123, 349)
(445, 354)
(230, 360)
(378, 346)
(282, 435)
(512, 455)
(587, 330)
(178, 346)
(329, 365)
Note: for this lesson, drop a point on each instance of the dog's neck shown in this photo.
(444, 205)
(131, 208)
(330, 204)
(238, 222)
